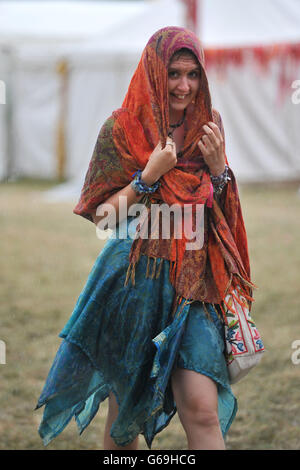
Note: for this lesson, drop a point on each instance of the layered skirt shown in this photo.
(128, 340)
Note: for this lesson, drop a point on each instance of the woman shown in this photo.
(148, 328)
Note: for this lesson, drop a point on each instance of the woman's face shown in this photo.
(183, 82)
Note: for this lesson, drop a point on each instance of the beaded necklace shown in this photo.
(175, 126)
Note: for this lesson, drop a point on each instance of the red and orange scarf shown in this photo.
(124, 145)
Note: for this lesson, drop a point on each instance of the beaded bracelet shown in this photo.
(220, 181)
(139, 186)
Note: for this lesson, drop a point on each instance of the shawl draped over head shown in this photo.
(124, 145)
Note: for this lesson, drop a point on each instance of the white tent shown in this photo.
(260, 118)
(67, 84)
(95, 66)
(33, 37)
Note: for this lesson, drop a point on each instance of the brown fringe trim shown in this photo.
(183, 304)
(178, 301)
(153, 268)
(249, 284)
(218, 313)
(156, 270)
(240, 288)
(172, 271)
(127, 275)
(131, 268)
(175, 305)
(148, 265)
(208, 315)
(159, 268)
(229, 284)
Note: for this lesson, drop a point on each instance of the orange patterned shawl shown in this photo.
(124, 145)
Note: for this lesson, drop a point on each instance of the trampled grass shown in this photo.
(46, 255)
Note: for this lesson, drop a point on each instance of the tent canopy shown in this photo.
(62, 21)
(98, 45)
(238, 23)
(222, 23)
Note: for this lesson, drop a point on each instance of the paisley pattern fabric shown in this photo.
(125, 142)
(128, 340)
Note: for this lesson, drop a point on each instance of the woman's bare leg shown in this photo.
(196, 398)
(112, 414)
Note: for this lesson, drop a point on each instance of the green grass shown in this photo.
(47, 253)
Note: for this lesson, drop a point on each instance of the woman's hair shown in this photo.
(184, 51)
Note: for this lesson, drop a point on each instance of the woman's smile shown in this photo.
(180, 97)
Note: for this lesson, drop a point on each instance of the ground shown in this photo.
(47, 253)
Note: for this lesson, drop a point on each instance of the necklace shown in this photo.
(179, 123)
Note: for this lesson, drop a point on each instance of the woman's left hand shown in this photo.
(212, 148)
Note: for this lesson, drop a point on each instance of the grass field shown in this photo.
(47, 253)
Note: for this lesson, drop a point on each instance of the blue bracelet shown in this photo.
(139, 186)
(219, 182)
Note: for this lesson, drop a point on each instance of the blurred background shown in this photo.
(64, 66)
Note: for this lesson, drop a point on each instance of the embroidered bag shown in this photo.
(244, 346)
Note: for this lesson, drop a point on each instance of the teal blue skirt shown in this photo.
(125, 339)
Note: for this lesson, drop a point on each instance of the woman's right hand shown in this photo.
(160, 162)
